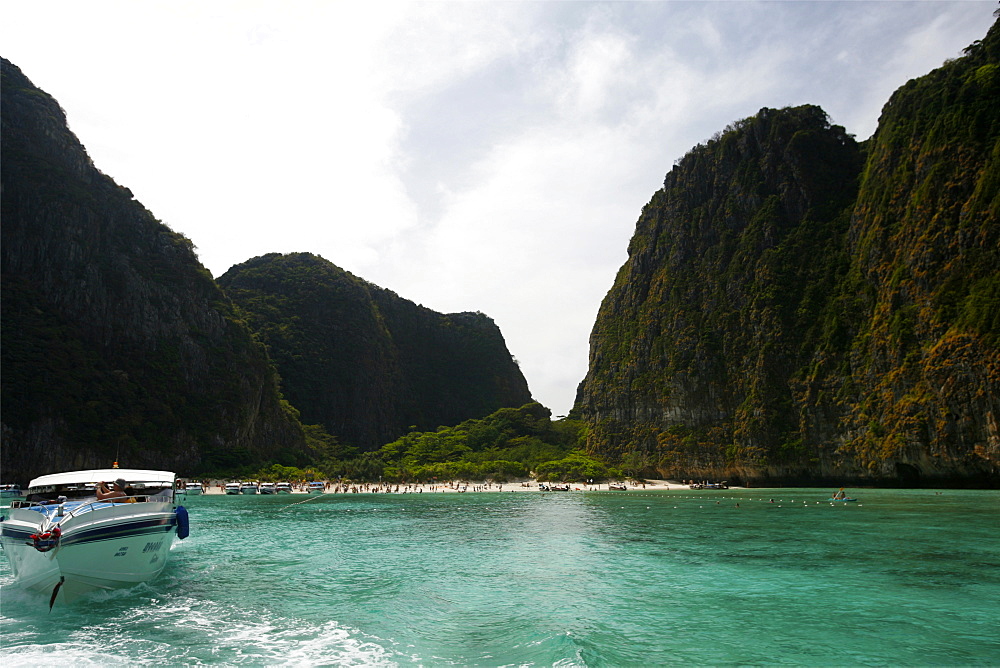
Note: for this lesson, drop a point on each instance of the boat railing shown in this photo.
(28, 504)
(117, 500)
(45, 506)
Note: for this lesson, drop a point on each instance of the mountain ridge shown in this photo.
(345, 347)
(118, 345)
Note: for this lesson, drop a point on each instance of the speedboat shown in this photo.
(232, 488)
(618, 485)
(316, 488)
(248, 487)
(283, 488)
(10, 491)
(710, 485)
(192, 489)
(63, 541)
(267, 488)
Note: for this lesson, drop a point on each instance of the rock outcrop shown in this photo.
(797, 308)
(365, 363)
(117, 343)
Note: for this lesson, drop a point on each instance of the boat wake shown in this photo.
(141, 627)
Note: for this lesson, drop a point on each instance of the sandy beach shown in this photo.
(218, 487)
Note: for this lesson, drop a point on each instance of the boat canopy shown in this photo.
(132, 477)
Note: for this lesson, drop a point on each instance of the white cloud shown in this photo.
(599, 66)
(433, 44)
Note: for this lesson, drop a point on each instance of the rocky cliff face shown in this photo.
(117, 343)
(925, 250)
(365, 363)
(796, 310)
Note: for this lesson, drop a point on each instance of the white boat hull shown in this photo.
(109, 547)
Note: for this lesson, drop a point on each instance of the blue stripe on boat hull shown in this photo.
(88, 535)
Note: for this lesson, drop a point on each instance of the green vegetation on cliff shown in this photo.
(508, 444)
(797, 307)
(925, 357)
(727, 277)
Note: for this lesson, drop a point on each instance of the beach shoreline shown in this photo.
(216, 487)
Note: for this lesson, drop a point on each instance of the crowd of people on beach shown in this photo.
(347, 487)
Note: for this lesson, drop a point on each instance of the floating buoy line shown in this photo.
(311, 498)
(768, 501)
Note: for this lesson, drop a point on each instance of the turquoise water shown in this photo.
(904, 577)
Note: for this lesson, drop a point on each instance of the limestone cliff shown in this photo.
(798, 308)
(924, 387)
(365, 363)
(117, 343)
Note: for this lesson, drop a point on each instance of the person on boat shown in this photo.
(115, 491)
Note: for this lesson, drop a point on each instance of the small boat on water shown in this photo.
(192, 489)
(841, 496)
(267, 488)
(10, 491)
(283, 488)
(67, 539)
(316, 488)
(710, 485)
(248, 487)
(618, 486)
(232, 488)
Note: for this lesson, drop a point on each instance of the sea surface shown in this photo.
(900, 578)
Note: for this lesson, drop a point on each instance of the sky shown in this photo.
(470, 156)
